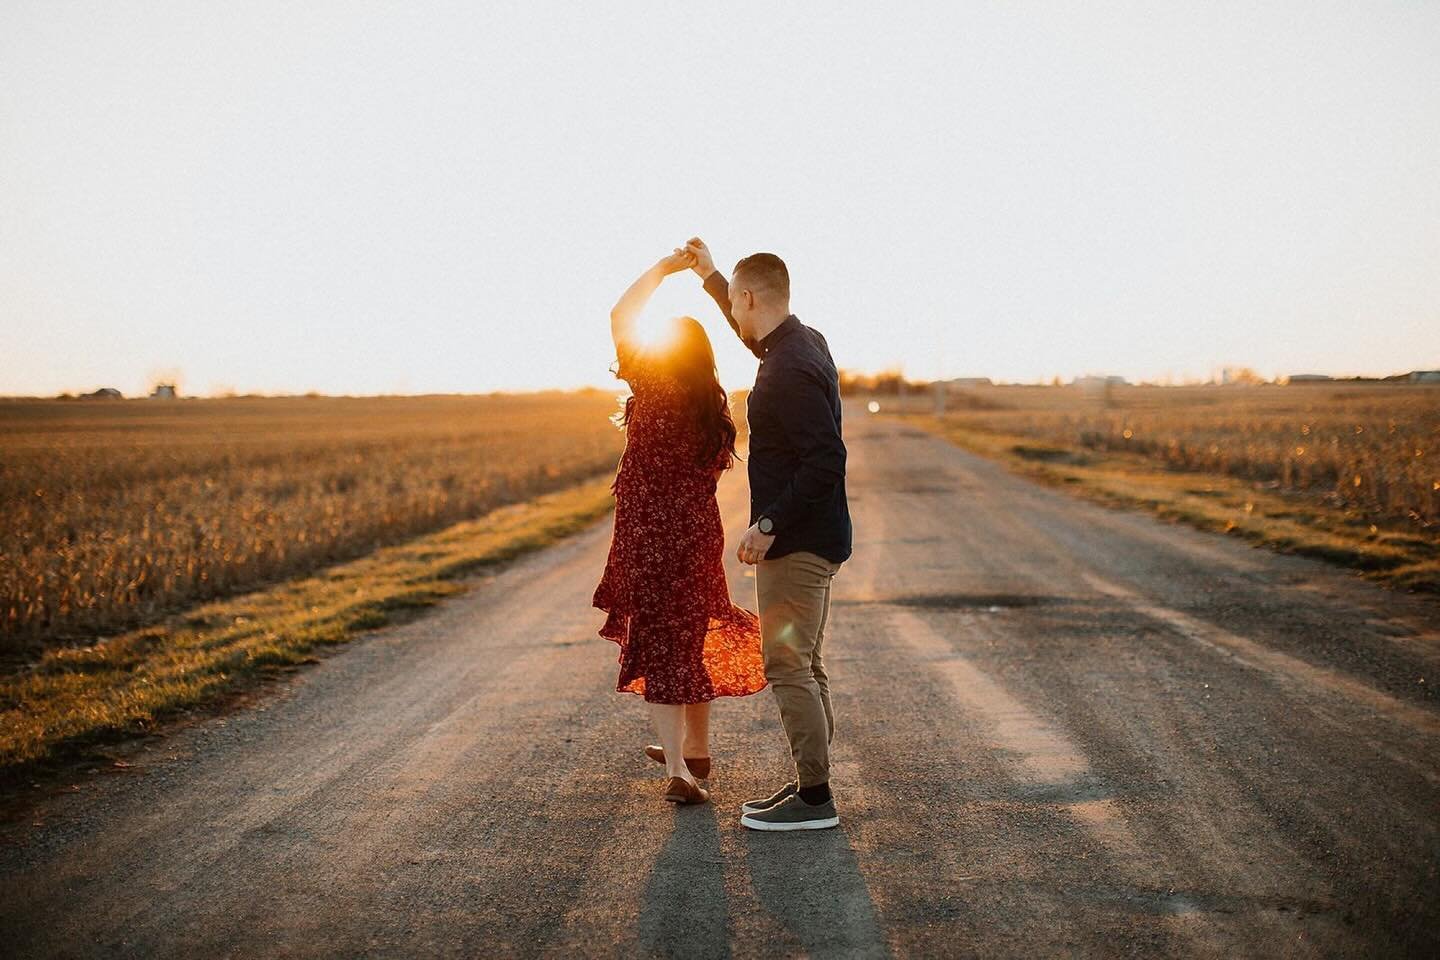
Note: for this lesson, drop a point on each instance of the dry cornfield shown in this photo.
(117, 512)
(1371, 450)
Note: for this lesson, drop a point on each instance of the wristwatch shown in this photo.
(765, 525)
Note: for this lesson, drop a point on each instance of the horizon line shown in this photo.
(1167, 381)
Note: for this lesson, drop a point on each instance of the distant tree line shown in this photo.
(885, 382)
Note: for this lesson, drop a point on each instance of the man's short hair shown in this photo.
(764, 272)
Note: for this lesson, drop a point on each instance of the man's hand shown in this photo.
(754, 545)
(704, 264)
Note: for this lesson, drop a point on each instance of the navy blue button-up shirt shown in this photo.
(797, 455)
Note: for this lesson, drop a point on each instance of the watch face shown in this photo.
(766, 525)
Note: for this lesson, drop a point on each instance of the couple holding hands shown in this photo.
(682, 641)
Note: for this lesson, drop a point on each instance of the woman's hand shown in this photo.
(681, 259)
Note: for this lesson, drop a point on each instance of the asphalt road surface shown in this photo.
(1062, 729)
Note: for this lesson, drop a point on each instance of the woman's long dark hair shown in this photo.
(688, 355)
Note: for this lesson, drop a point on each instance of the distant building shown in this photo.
(163, 391)
(104, 393)
(968, 382)
(1425, 376)
(1310, 378)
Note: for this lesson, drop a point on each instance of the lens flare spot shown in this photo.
(654, 333)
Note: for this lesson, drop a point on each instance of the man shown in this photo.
(800, 530)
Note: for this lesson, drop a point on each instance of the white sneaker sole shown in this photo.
(795, 825)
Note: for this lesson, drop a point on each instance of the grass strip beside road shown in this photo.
(74, 699)
(1217, 502)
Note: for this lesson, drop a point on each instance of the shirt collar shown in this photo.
(787, 326)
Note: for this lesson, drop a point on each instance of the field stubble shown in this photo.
(1368, 450)
(116, 513)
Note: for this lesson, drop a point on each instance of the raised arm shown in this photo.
(633, 300)
(716, 285)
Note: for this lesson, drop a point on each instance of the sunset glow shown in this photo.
(279, 198)
(654, 331)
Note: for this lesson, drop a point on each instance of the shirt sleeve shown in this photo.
(813, 433)
(719, 291)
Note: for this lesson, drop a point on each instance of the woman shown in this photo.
(682, 641)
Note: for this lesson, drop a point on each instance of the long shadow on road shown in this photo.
(809, 884)
(685, 912)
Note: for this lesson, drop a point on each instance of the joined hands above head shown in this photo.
(704, 264)
(681, 259)
(694, 255)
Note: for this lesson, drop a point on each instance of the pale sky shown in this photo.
(422, 197)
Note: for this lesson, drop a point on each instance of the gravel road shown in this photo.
(1062, 729)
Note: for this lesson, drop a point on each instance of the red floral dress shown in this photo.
(681, 638)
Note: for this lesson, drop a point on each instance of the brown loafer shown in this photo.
(700, 766)
(680, 790)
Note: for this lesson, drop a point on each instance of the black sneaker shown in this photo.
(755, 806)
(792, 813)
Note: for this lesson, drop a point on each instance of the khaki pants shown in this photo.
(793, 593)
